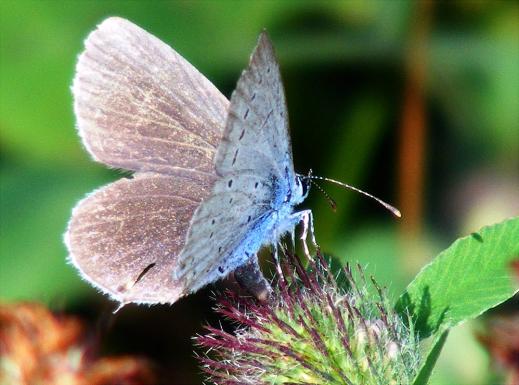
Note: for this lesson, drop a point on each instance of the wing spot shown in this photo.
(213, 221)
(230, 200)
(220, 249)
(229, 184)
(253, 96)
(246, 114)
(211, 235)
(248, 219)
(256, 185)
(268, 70)
(234, 158)
(242, 133)
(220, 269)
(145, 271)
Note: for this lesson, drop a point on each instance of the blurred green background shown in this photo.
(417, 103)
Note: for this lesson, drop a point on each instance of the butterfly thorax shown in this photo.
(289, 192)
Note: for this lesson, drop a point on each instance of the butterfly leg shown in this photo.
(308, 227)
(293, 237)
(306, 218)
(276, 257)
(276, 252)
(312, 230)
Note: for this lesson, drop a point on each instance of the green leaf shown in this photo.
(473, 275)
(434, 352)
(36, 204)
(369, 112)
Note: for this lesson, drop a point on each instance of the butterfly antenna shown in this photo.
(330, 200)
(393, 210)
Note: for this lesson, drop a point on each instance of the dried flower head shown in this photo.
(501, 338)
(312, 332)
(38, 347)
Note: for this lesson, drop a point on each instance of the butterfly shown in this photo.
(213, 180)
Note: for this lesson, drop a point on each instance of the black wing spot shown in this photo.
(229, 183)
(242, 133)
(213, 221)
(230, 200)
(268, 70)
(145, 271)
(256, 185)
(235, 155)
(211, 235)
(246, 114)
(248, 219)
(220, 249)
(253, 96)
(220, 269)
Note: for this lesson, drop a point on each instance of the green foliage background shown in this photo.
(345, 72)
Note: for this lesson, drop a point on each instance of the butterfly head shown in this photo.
(303, 184)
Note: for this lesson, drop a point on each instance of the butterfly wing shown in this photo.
(142, 107)
(125, 237)
(256, 132)
(252, 162)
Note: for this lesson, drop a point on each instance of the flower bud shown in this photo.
(312, 331)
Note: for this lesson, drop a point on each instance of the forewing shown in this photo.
(250, 162)
(256, 131)
(125, 237)
(218, 229)
(140, 106)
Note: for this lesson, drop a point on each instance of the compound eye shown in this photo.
(305, 185)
